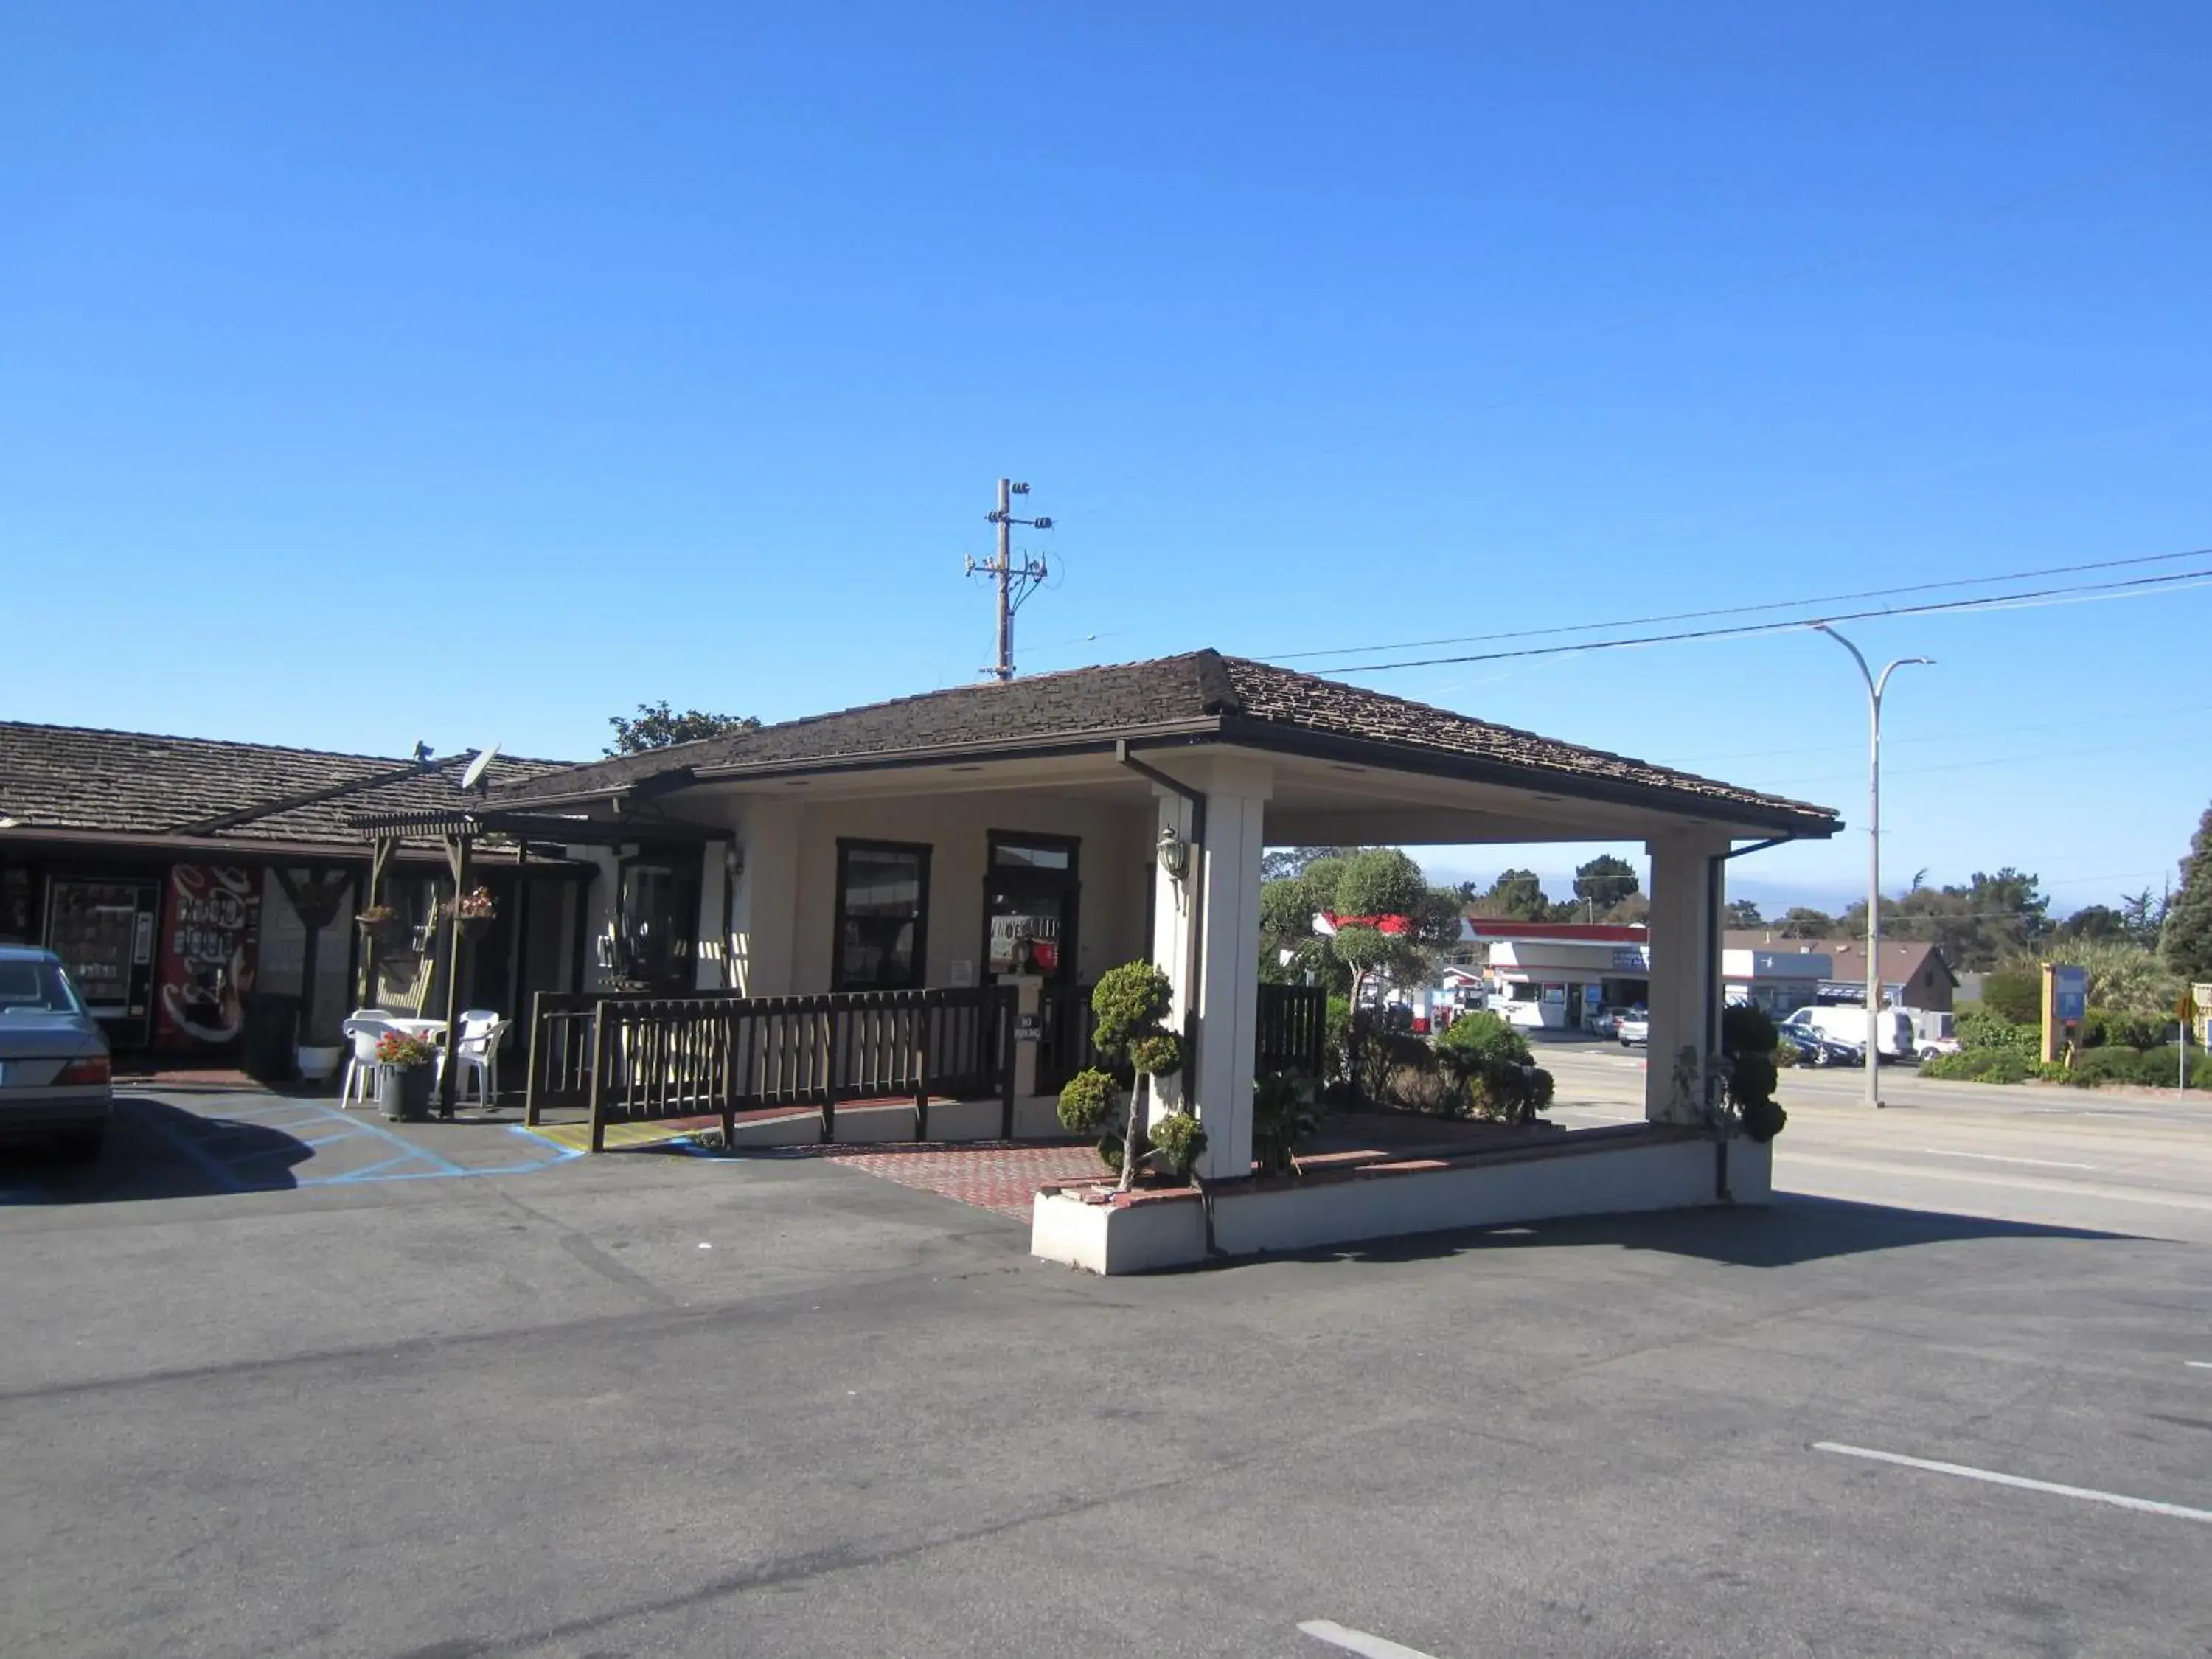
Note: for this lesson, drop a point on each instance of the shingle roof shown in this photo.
(1201, 693)
(1902, 959)
(67, 777)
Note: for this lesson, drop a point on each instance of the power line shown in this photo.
(1742, 609)
(2028, 600)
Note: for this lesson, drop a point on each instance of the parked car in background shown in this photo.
(55, 1085)
(1634, 1029)
(1813, 1049)
(1847, 1024)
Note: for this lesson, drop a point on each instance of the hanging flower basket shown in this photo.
(473, 912)
(384, 927)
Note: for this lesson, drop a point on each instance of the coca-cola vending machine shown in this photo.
(103, 930)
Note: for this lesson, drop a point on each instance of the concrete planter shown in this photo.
(1598, 1173)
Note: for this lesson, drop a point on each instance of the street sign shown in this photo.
(2070, 995)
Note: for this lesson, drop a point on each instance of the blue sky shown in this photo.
(370, 373)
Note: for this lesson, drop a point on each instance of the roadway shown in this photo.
(2129, 1161)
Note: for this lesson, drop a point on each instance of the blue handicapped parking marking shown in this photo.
(270, 1144)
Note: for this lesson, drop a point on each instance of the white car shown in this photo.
(1635, 1028)
(55, 1085)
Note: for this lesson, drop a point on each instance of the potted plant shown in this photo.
(473, 911)
(386, 928)
(403, 1075)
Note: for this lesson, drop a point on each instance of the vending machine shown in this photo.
(103, 930)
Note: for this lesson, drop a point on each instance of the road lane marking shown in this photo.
(1359, 1642)
(2198, 1365)
(2087, 1494)
(2000, 1157)
(1787, 1160)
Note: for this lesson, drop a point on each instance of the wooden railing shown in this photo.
(642, 1060)
(1064, 1027)
(1293, 1028)
(1291, 1035)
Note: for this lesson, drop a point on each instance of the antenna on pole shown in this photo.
(1015, 581)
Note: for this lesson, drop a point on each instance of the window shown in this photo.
(883, 905)
(1030, 899)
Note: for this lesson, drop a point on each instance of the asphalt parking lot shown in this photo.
(652, 1405)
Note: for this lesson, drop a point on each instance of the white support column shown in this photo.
(764, 907)
(711, 966)
(1686, 914)
(1173, 904)
(1229, 968)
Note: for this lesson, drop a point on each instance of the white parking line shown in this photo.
(1999, 1157)
(2088, 1494)
(1359, 1642)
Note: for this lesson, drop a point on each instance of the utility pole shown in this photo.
(1875, 686)
(1014, 583)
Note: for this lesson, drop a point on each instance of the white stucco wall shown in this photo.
(784, 910)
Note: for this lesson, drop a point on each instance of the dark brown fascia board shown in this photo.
(160, 844)
(644, 788)
(1251, 733)
(1171, 734)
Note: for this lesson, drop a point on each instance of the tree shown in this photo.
(1977, 924)
(1802, 921)
(2095, 923)
(2145, 916)
(1605, 881)
(657, 725)
(1744, 913)
(2185, 942)
(1516, 895)
(1281, 863)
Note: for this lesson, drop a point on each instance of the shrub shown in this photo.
(2016, 995)
(2111, 1064)
(1399, 1069)
(1178, 1138)
(1336, 1039)
(1748, 1028)
(1130, 1002)
(1157, 1055)
(1087, 1102)
(1283, 1116)
(1983, 1066)
(1486, 1038)
(2111, 1028)
(1978, 1028)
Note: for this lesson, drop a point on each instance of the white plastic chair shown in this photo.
(475, 1051)
(364, 1031)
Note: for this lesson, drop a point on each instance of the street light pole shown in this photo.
(1875, 685)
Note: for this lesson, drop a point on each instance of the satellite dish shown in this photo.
(473, 778)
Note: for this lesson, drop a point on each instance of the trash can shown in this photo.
(273, 1024)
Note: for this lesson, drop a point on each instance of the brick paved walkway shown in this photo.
(1000, 1176)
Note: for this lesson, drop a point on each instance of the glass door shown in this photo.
(1032, 894)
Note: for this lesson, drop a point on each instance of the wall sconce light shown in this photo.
(1175, 853)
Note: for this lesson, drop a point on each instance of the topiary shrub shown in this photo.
(1131, 1005)
(1087, 1102)
(1178, 1138)
(1748, 1042)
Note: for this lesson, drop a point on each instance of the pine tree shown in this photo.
(2187, 944)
